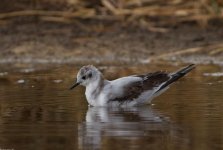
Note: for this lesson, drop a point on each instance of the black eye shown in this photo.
(90, 75)
(83, 77)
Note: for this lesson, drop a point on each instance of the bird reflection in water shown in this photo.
(136, 127)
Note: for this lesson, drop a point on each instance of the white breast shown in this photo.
(101, 97)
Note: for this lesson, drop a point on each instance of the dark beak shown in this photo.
(73, 86)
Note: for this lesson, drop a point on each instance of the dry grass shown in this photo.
(144, 11)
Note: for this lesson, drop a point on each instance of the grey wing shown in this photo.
(149, 81)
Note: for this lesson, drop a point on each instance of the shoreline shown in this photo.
(111, 43)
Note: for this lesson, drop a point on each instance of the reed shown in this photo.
(171, 11)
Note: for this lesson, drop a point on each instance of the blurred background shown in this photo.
(43, 44)
(110, 31)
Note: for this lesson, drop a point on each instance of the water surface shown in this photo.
(37, 111)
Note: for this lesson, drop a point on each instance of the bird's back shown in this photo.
(133, 90)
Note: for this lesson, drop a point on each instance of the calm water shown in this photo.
(37, 111)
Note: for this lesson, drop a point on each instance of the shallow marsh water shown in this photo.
(39, 112)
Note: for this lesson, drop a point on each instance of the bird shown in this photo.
(128, 91)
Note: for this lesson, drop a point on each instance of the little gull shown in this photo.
(126, 91)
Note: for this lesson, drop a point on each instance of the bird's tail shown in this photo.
(176, 75)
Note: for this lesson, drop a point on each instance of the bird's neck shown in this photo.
(93, 89)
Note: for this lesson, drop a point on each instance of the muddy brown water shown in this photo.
(39, 112)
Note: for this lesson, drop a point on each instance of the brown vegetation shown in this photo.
(149, 12)
(72, 31)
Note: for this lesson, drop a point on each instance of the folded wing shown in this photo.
(150, 81)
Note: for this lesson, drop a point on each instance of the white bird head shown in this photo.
(87, 75)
